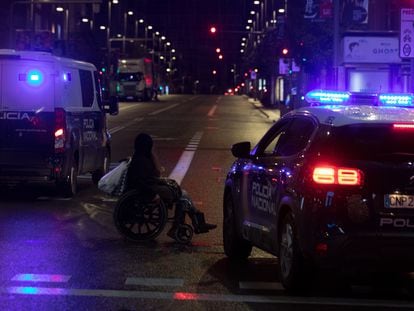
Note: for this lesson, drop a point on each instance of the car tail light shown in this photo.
(148, 80)
(324, 175)
(60, 130)
(332, 175)
(404, 126)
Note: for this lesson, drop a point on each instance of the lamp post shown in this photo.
(149, 27)
(130, 13)
(65, 23)
(137, 22)
(108, 31)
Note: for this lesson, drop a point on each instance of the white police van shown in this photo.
(52, 120)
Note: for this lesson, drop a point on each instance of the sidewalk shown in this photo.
(272, 114)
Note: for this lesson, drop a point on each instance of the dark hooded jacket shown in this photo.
(142, 170)
(145, 176)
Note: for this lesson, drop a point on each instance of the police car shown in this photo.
(52, 120)
(329, 186)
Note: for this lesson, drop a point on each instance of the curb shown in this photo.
(273, 114)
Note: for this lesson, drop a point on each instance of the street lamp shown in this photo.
(66, 22)
(108, 30)
(130, 13)
(137, 22)
(149, 27)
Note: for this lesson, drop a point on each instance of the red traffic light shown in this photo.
(285, 51)
(213, 29)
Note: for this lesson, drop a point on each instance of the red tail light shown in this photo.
(332, 175)
(60, 130)
(404, 126)
(148, 80)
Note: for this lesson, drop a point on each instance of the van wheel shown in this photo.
(97, 175)
(69, 186)
(293, 271)
(235, 246)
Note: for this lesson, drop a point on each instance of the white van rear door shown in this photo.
(27, 86)
(27, 117)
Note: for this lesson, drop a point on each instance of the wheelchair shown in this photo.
(140, 218)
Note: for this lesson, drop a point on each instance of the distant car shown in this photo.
(328, 186)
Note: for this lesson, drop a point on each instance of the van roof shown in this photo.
(44, 56)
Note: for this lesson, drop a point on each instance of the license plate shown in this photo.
(398, 201)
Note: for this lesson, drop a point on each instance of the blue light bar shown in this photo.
(401, 100)
(326, 97)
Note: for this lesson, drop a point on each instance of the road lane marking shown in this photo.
(154, 281)
(162, 110)
(116, 129)
(182, 166)
(120, 128)
(184, 162)
(212, 111)
(186, 296)
(52, 278)
(261, 285)
(123, 108)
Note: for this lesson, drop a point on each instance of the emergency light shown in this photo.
(326, 97)
(34, 77)
(322, 97)
(404, 100)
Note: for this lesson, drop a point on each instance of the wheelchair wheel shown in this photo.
(139, 219)
(184, 234)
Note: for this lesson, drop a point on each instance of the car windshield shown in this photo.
(369, 142)
(130, 76)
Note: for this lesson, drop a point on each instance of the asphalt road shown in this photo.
(65, 254)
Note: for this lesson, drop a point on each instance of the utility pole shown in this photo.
(336, 43)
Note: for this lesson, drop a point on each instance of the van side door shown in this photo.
(89, 122)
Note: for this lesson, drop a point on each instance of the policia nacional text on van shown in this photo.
(52, 120)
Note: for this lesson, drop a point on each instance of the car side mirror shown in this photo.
(111, 105)
(241, 150)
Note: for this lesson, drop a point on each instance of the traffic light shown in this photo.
(213, 29)
(285, 51)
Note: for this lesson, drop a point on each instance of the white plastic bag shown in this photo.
(114, 181)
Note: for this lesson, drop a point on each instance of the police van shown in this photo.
(52, 120)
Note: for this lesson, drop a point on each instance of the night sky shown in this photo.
(186, 24)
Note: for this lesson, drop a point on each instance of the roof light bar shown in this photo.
(327, 97)
(404, 100)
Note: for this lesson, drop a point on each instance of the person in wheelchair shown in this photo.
(144, 173)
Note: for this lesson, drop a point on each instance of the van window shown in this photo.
(86, 87)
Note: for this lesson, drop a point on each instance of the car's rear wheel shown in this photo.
(293, 271)
(235, 246)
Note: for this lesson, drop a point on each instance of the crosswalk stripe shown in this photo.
(186, 296)
(154, 281)
(52, 278)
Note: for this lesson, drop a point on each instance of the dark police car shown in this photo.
(328, 186)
